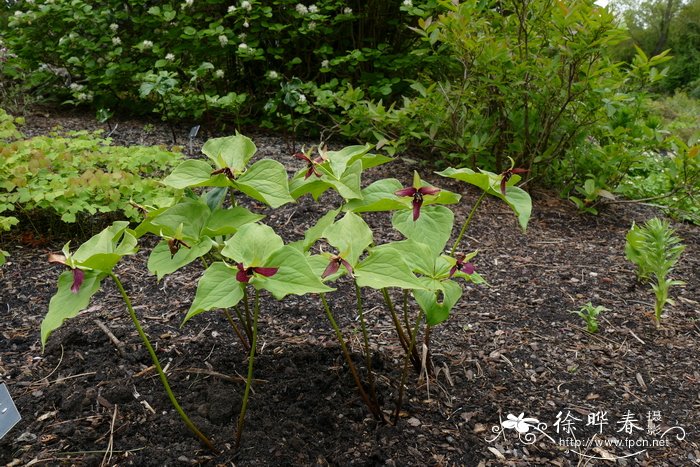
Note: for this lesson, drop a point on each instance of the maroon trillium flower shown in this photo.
(417, 194)
(78, 274)
(334, 265)
(310, 164)
(226, 171)
(505, 176)
(461, 265)
(245, 273)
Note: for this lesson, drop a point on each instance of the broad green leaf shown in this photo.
(227, 221)
(233, 152)
(294, 276)
(373, 160)
(385, 268)
(433, 228)
(161, 262)
(350, 236)
(378, 196)
(418, 256)
(104, 250)
(300, 186)
(185, 220)
(65, 304)
(266, 181)
(252, 245)
(438, 304)
(348, 185)
(217, 288)
(520, 202)
(316, 232)
(193, 173)
(340, 160)
(518, 199)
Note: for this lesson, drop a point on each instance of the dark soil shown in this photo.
(510, 348)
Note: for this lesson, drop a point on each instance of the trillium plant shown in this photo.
(244, 261)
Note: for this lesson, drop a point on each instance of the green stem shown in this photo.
(248, 319)
(372, 405)
(246, 344)
(365, 338)
(159, 369)
(251, 361)
(405, 341)
(466, 223)
(404, 374)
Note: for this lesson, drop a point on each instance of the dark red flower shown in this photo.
(226, 171)
(245, 273)
(174, 245)
(505, 176)
(78, 278)
(310, 164)
(334, 265)
(461, 265)
(417, 194)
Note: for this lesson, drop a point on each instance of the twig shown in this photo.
(117, 343)
(110, 445)
(235, 379)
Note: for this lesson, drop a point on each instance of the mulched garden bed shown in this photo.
(510, 348)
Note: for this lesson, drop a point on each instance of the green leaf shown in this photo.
(520, 202)
(385, 268)
(316, 232)
(252, 245)
(266, 181)
(227, 221)
(161, 262)
(300, 186)
(193, 173)
(184, 221)
(65, 304)
(433, 228)
(438, 304)
(348, 185)
(418, 256)
(233, 152)
(378, 196)
(518, 199)
(217, 288)
(350, 236)
(340, 160)
(294, 275)
(104, 250)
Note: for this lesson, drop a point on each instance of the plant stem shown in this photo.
(405, 341)
(466, 223)
(246, 344)
(365, 337)
(248, 319)
(404, 374)
(251, 361)
(371, 404)
(159, 369)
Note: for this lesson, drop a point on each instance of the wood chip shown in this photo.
(640, 380)
(496, 452)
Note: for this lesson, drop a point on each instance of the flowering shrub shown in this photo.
(244, 259)
(221, 56)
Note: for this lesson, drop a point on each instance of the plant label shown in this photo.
(9, 415)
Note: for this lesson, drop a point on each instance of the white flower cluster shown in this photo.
(407, 3)
(245, 4)
(272, 74)
(223, 40)
(116, 41)
(219, 73)
(76, 87)
(313, 8)
(243, 46)
(231, 9)
(301, 9)
(325, 64)
(170, 57)
(347, 10)
(114, 26)
(147, 44)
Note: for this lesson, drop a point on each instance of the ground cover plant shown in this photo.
(78, 175)
(239, 251)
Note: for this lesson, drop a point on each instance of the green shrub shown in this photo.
(80, 174)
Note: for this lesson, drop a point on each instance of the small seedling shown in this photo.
(589, 314)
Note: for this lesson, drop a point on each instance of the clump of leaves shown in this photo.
(589, 314)
(655, 249)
